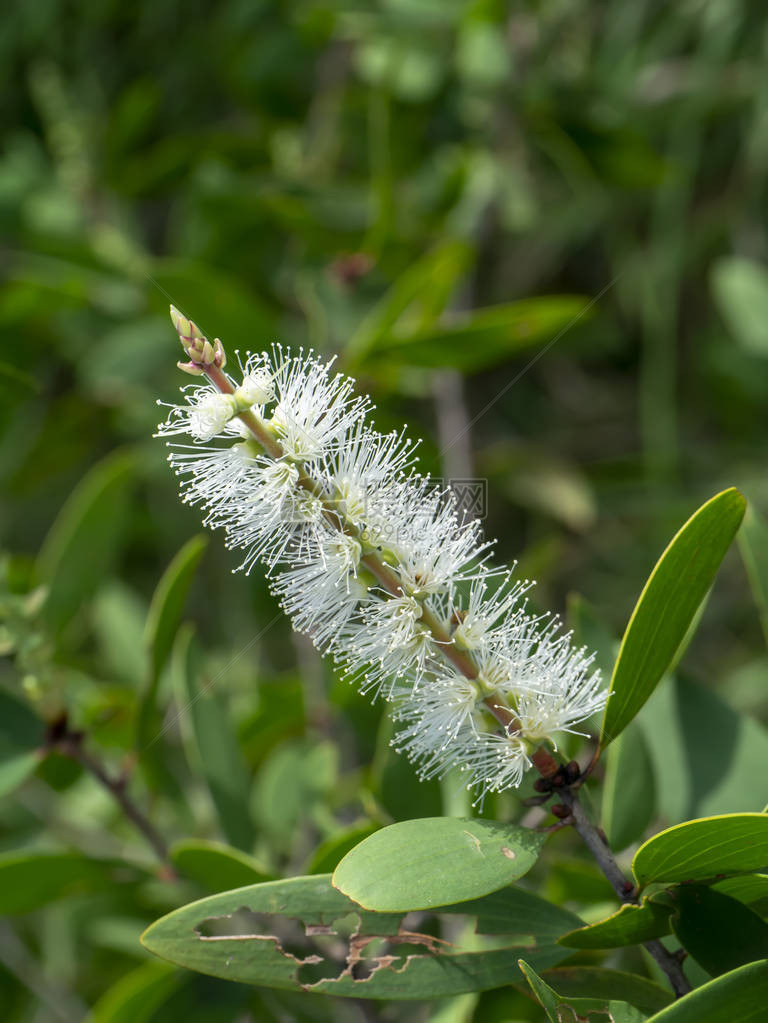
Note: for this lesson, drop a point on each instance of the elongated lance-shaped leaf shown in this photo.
(211, 743)
(303, 934)
(630, 925)
(167, 605)
(753, 543)
(485, 337)
(667, 606)
(430, 282)
(82, 541)
(566, 1009)
(162, 624)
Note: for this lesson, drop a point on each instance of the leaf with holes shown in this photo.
(303, 934)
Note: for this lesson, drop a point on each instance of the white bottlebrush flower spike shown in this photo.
(374, 563)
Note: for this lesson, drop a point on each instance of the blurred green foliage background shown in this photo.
(535, 232)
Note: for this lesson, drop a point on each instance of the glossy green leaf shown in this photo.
(703, 849)
(212, 745)
(629, 791)
(753, 544)
(717, 930)
(568, 1009)
(597, 982)
(737, 997)
(630, 925)
(435, 861)
(740, 290)
(667, 606)
(82, 541)
(485, 337)
(707, 758)
(314, 924)
(217, 867)
(137, 996)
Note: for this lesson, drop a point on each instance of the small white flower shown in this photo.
(257, 388)
(206, 414)
(314, 409)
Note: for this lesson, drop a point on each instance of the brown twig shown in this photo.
(71, 744)
(604, 858)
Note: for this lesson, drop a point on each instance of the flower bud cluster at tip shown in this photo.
(199, 349)
(339, 493)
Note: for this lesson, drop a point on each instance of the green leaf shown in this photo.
(707, 758)
(217, 867)
(168, 600)
(303, 934)
(630, 925)
(162, 624)
(628, 795)
(737, 997)
(735, 843)
(513, 910)
(137, 996)
(719, 932)
(81, 543)
(33, 878)
(667, 605)
(22, 732)
(596, 982)
(753, 544)
(427, 284)
(435, 861)
(292, 786)
(740, 290)
(15, 769)
(329, 853)
(213, 747)
(567, 1009)
(751, 889)
(474, 341)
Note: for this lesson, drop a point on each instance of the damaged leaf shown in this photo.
(435, 861)
(303, 934)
